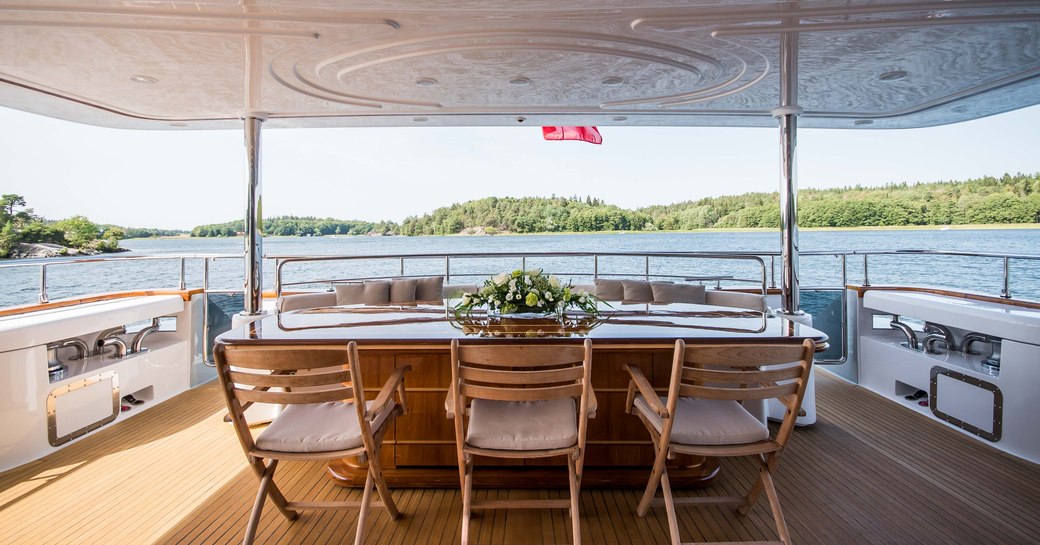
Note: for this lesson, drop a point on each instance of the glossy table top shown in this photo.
(435, 325)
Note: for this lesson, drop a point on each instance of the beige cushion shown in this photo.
(666, 292)
(708, 422)
(522, 425)
(610, 290)
(750, 301)
(317, 427)
(369, 293)
(430, 288)
(402, 290)
(637, 291)
(306, 300)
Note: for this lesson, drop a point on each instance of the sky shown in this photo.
(180, 179)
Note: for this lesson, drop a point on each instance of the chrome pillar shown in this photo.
(254, 242)
(787, 115)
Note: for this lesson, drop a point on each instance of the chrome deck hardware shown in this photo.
(911, 336)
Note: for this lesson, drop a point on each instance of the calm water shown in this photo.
(21, 285)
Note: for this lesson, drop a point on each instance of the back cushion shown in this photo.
(402, 290)
(430, 288)
(369, 293)
(637, 291)
(306, 300)
(666, 292)
(610, 290)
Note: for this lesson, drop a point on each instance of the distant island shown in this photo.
(24, 234)
(989, 200)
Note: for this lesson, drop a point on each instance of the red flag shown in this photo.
(585, 134)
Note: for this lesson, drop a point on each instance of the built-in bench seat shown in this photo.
(395, 291)
(662, 293)
(433, 290)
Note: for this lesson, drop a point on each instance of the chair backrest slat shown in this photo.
(737, 394)
(280, 380)
(308, 375)
(743, 355)
(286, 359)
(520, 355)
(519, 394)
(752, 375)
(519, 376)
(290, 398)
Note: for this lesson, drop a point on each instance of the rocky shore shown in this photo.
(25, 250)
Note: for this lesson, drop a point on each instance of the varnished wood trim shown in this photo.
(860, 290)
(64, 303)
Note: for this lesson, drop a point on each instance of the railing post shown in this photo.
(43, 284)
(205, 314)
(646, 267)
(772, 271)
(595, 268)
(1005, 292)
(866, 275)
(523, 263)
(447, 269)
(787, 116)
(402, 267)
(181, 284)
(254, 241)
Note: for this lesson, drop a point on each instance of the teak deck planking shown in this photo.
(869, 471)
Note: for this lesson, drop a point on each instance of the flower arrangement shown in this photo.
(527, 292)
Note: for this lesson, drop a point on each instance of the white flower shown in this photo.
(533, 272)
(553, 281)
(500, 278)
(581, 293)
(548, 296)
(541, 303)
(512, 284)
(465, 298)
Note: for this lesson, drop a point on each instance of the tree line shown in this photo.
(1007, 199)
(299, 226)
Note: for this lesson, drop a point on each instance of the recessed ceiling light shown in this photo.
(420, 119)
(863, 122)
(520, 81)
(426, 82)
(178, 124)
(620, 118)
(612, 81)
(894, 75)
(138, 78)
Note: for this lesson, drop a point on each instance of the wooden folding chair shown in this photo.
(326, 418)
(517, 402)
(702, 415)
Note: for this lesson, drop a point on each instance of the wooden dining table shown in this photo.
(420, 449)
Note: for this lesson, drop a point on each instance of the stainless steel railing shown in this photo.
(593, 271)
(589, 266)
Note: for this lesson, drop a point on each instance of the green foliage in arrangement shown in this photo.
(527, 292)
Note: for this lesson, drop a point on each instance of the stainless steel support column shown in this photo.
(787, 115)
(254, 242)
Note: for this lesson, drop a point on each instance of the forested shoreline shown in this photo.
(989, 200)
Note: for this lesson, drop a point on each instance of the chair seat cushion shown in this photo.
(522, 425)
(708, 422)
(317, 427)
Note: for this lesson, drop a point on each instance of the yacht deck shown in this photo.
(869, 471)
